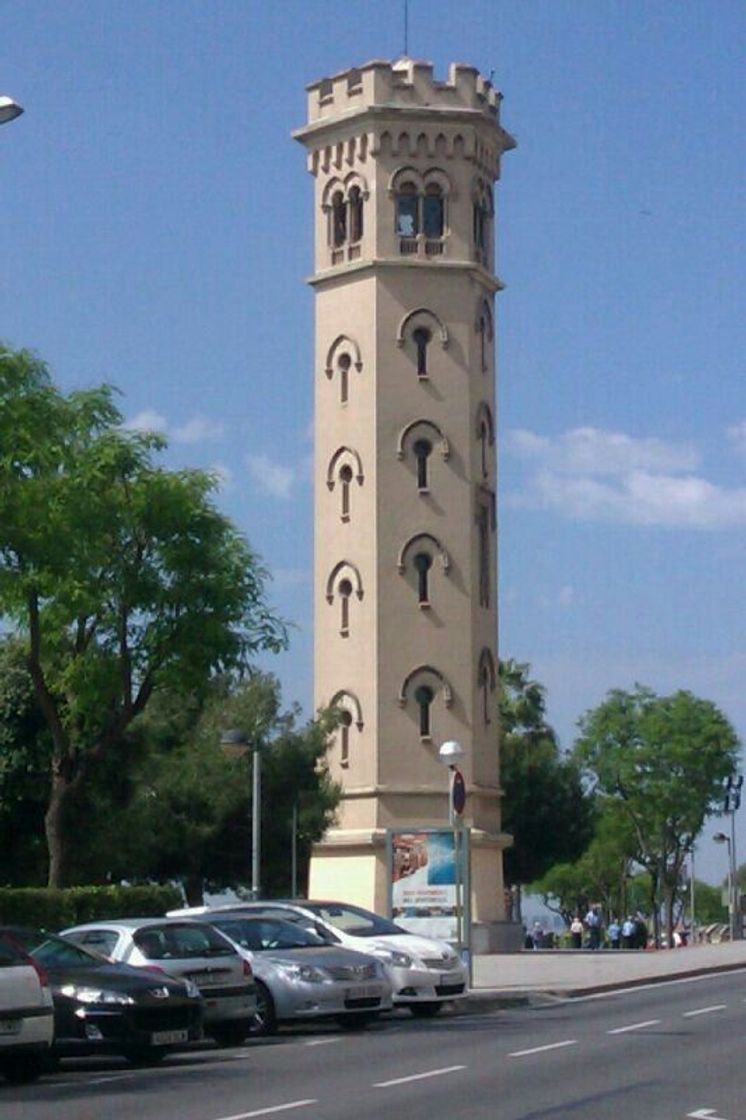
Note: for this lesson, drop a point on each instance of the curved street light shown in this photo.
(721, 838)
(235, 744)
(9, 109)
(450, 754)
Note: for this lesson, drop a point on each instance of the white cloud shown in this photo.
(224, 475)
(594, 451)
(271, 477)
(147, 421)
(591, 475)
(737, 435)
(197, 429)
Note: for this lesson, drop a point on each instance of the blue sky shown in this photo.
(156, 234)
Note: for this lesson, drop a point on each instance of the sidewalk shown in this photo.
(509, 978)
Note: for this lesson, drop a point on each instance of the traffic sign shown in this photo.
(458, 792)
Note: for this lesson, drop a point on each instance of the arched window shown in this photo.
(345, 723)
(407, 211)
(345, 590)
(423, 562)
(484, 442)
(421, 336)
(422, 450)
(483, 530)
(432, 211)
(339, 219)
(345, 478)
(423, 698)
(343, 365)
(356, 214)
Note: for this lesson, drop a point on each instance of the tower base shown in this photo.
(349, 865)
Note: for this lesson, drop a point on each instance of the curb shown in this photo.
(493, 999)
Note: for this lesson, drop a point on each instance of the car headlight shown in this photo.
(307, 972)
(394, 957)
(95, 995)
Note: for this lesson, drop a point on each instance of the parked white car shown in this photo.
(424, 973)
(26, 1014)
(190, 951)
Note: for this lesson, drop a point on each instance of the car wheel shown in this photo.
(425, 1010)
(24, 1068)
(232, 1034)
(357, 1020)
(265, 1019)
(145, 1055)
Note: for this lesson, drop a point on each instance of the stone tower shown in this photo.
(405, 460)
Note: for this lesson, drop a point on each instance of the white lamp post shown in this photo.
(721, 838)
(9, 109)
(451, 754)
(235, 744)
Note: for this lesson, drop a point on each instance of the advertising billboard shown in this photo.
(426, 892)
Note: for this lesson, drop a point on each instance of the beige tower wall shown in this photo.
(378, 643)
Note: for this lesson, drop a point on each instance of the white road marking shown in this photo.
(635, 1026)
(705, 1114)
(269, 1110)
(417, 1077)
(542, 1049)
(321, 1041)
(705, 1010)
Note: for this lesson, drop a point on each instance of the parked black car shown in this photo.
(105, 1008)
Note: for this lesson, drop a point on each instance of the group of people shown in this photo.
(588, 932)
(632, 933)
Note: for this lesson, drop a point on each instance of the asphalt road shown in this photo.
(672, 1051)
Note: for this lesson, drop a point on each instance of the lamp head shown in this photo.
(721, 838)
(9, 109)
(451, 753)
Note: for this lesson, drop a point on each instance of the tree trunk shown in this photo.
(54, 829)
(194, 886)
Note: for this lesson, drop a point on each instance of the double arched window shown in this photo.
(343, 202)
(420, 217)
(483, 212)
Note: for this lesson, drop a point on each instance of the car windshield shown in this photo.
(261, 934)
(176, 942)
(53, 951)
(354, 919)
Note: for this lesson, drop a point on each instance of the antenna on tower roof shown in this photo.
(406, 28)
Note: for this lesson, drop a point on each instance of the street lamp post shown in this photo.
(235, 744)
(721, 838)
(9, 109)
(450, 755)
(732, 802)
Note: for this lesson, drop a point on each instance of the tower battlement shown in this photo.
(406, 84)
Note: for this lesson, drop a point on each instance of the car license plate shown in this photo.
(369, 991)
(166, 1038)
(10, 1026)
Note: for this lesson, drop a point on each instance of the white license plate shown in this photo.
(166, 1038)
(450, 981)
(10, 1026)
(371, 991)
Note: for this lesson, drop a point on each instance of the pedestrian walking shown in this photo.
(593, 925)
(615, 932)
(576, 932)
(628, 932)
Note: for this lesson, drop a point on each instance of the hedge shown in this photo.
(56, 909)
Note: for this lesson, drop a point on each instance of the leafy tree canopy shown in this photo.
(545, 807)
(123, 576)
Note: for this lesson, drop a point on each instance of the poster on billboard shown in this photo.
(425, 891)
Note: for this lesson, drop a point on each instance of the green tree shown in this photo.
(123, 576)
(24, 770)
(190, 816)
(545, 807)
(662, 760)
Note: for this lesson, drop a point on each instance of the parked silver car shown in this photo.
(190, 951)
(424, 973)
(300, 977)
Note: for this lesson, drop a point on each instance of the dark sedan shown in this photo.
(105, 1008)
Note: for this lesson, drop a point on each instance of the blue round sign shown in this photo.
(458, 792)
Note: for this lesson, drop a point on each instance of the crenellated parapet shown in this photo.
(407, 83)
